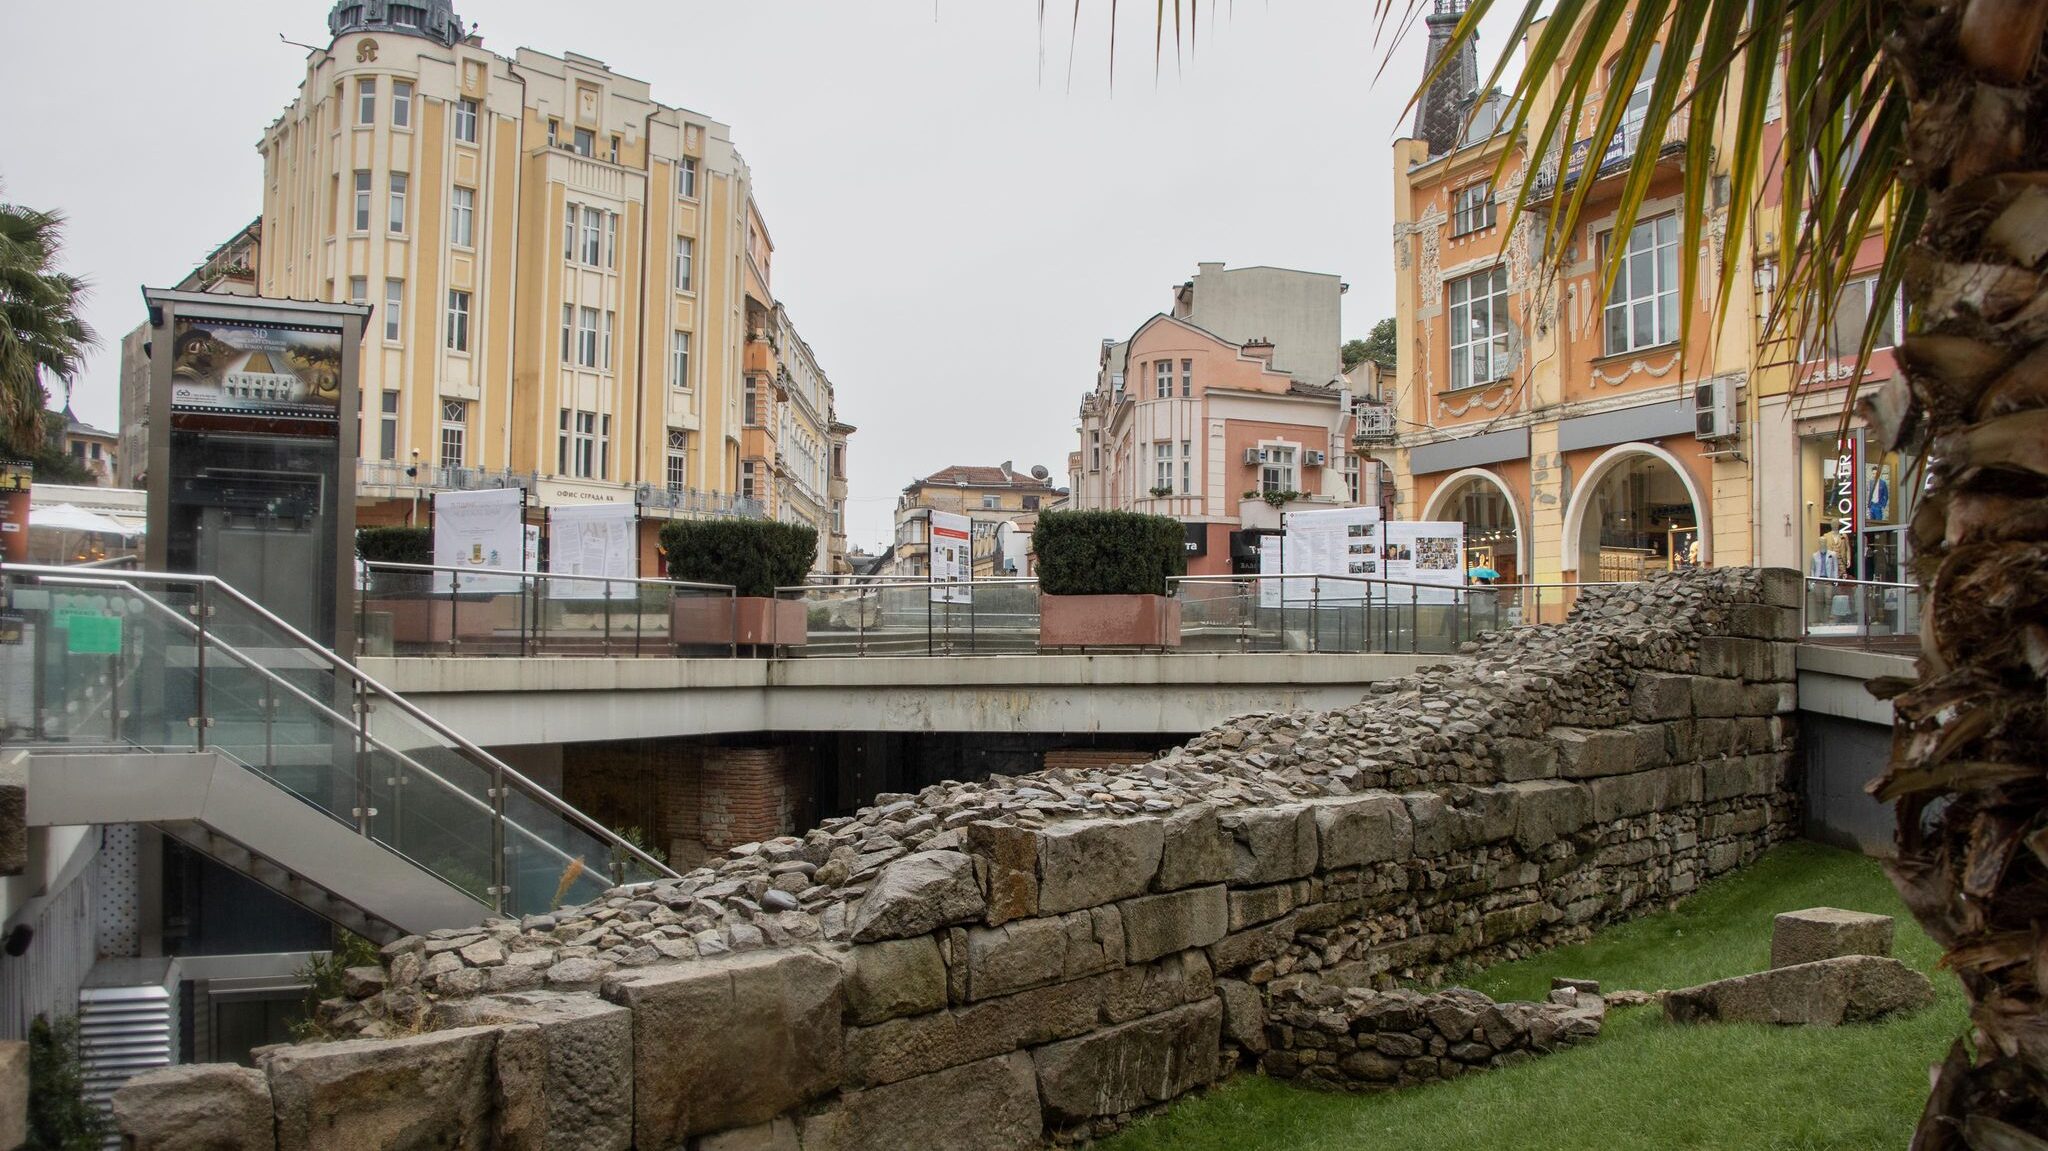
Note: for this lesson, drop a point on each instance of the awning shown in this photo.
(72, 518)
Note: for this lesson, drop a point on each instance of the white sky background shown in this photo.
(955, 230)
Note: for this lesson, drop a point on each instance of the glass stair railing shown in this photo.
(105, 660)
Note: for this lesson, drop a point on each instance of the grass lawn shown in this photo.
(1643, 1083)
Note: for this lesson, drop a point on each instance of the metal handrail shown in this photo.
(536, 577)
(505, 771)
(1861, 582)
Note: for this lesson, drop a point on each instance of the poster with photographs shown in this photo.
(479, 530)
(1334, 542)
(596, 540)
(952, 558)
(1431, 554)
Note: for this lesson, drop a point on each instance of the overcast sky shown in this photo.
(956, 224)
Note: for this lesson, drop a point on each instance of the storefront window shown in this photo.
(1640, 519)
(1856, 503)
(1491, 541)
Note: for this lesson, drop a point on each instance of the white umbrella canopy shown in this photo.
(72, 518)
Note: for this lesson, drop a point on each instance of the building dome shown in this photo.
(433, 19)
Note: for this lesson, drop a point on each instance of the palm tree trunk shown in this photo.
(1969, 767)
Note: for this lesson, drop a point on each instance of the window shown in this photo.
(394, 307)
(604, 359)
(1843, 339)
(1472, 208)
(358, 289)
(1095, 451)
(593, 236)
(679, 359)
(1479, 327)
(613, 153)
(1642, 308)
(1116, 385)
(586, 142)
(554, 132)
(1162, 379)
(991, 503)
(686, 260)
(747, 480)
(569, 218)
(399, 181)
(1187, 379)
(401, 104)
(686, 178)
(750, 403)
(678, 469)
(568, 330)
(576, 445)
(1276, 473)
(366, 101)
(465, 120)
(1351, 476)
(586, 337)
(1031, 503)
(458, 321)
(362, 201)
(611, 239)
(1162, 466)
(604, 448)
(387, 431)
(1187, 467)
(454, 432)
(462, 217)
(1638, 106)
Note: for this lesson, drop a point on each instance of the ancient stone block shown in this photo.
(1584, 753)
(918, 894)
(1028, 953)
(14, 1095)
(1355, 830)
(1754, 660)
(1762, 621)
(1828, 932)
(1271, 843)
(1525, 758)
(1825, 993)
(431, 1090)
(1549, 810)
(1156, 925)
(564, 1069)
(1009, 858)
(1719, 697)
(774, 1135)
(894, 978)
(1090, 862)
(1249, 906)
(1653, 744)
(1730, 778)
(1660, 696)
(1241, 949)
(1132, 1065)
(13, 818)
(730, 1042)
(1436, 826)
(1619, 796)
(1782, 587)
(1244, 1014)
(1198, 850)
(991, 1104)
(195, 1107)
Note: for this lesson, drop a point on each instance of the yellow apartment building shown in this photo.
(990, 498)
(571, 278)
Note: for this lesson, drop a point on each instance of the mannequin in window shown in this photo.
(1880, 494)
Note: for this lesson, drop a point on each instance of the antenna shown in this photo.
(296, 44)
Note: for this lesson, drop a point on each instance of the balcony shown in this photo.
(1620, 155)
(386, 478)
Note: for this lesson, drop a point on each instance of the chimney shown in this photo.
(1260, 349)
(1440, 116)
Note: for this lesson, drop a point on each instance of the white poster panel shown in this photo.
(1271, 553)
(1424, 552)
(952, 558)
(1333, 542)
(593, 540)
(480, 530)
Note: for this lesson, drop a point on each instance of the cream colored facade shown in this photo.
(989, 498)
(561, 268)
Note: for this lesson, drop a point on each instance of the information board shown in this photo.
(1333, 542)
(952, 558)
(1423, 552)
(479, 530)
(594, 540)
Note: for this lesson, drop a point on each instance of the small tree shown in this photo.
(59, 1116)
(397, 544)
(1381, 347)
(1108, 553)
(754, 556)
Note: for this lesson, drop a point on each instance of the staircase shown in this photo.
(174, 700)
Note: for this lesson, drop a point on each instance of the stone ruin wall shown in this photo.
(994, 964)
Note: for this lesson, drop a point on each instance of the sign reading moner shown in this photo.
(255, 369)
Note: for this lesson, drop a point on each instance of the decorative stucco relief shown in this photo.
(1635, 368)
(1491, 398)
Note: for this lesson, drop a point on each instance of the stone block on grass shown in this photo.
(1827, 932)
(1825, 993)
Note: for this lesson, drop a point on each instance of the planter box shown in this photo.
(750, 621)
(434, 621)
(1108, 621)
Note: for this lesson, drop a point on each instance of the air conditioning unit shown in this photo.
(1315, 459)
(1715, 411)
(1254, 456)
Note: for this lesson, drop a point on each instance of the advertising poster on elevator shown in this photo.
(482, 531)
(594, 540)
(1342, 542)
(952, 558)
(16, 479)
(255, 369)
(1422, 552)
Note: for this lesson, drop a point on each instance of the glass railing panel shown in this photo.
(431, 802)
(399, 613)
(553, 860)
(97, 665)
(837, 618)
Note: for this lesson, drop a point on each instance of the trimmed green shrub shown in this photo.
(59, 1116)
(396, 544)
(754, 556)
(1108, 553)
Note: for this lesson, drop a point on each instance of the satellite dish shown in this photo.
(1040, 473)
